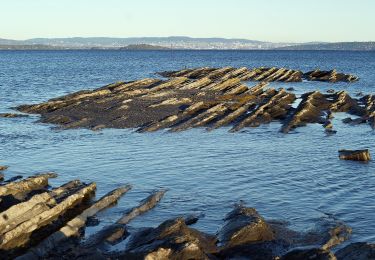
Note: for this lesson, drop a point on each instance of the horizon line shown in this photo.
(184, 36)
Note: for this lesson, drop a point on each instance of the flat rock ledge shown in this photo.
(39, 222)
(204, 97)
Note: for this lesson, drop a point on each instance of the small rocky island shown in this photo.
(39, 222)
(207, 97)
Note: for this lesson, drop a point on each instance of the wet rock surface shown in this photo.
(244, 225)
(203, 97)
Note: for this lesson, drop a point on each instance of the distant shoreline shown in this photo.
(174, 43)
(171, 50)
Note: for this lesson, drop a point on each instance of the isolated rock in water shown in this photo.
(3, 168)
(173, 239)
(357, 251)
(330, 91)
(242, 226)
(355, 155)
(310, 254)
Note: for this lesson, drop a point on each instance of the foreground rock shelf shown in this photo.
(204, 97)
(37, 222)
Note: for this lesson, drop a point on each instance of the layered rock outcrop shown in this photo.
(48, 223)
(203, 97)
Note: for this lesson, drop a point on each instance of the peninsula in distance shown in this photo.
(174, 43)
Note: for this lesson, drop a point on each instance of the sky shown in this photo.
(270, 20)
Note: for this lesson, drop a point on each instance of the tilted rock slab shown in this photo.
(202, 97)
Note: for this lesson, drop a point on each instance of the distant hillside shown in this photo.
(174, 42)
(10, 42)
(339, 46)
(143, 47)
(29, 47)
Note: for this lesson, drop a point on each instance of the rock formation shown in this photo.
(203, 97)
(262, 74)
(48, 223)
(329, 76)
(355, 155)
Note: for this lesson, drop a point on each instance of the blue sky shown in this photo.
(270, 20)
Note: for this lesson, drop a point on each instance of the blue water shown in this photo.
(295, 177)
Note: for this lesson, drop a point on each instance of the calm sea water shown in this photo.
(295, 177)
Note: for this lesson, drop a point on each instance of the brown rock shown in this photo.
(243, 226)
(355, 155)
(173, 239)
(3, 168)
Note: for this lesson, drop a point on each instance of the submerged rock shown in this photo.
(355, 155)
(356, 121)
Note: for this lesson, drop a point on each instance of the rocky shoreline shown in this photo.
(206, 97)
(39, 222)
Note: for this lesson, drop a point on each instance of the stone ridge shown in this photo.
(203, 97)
